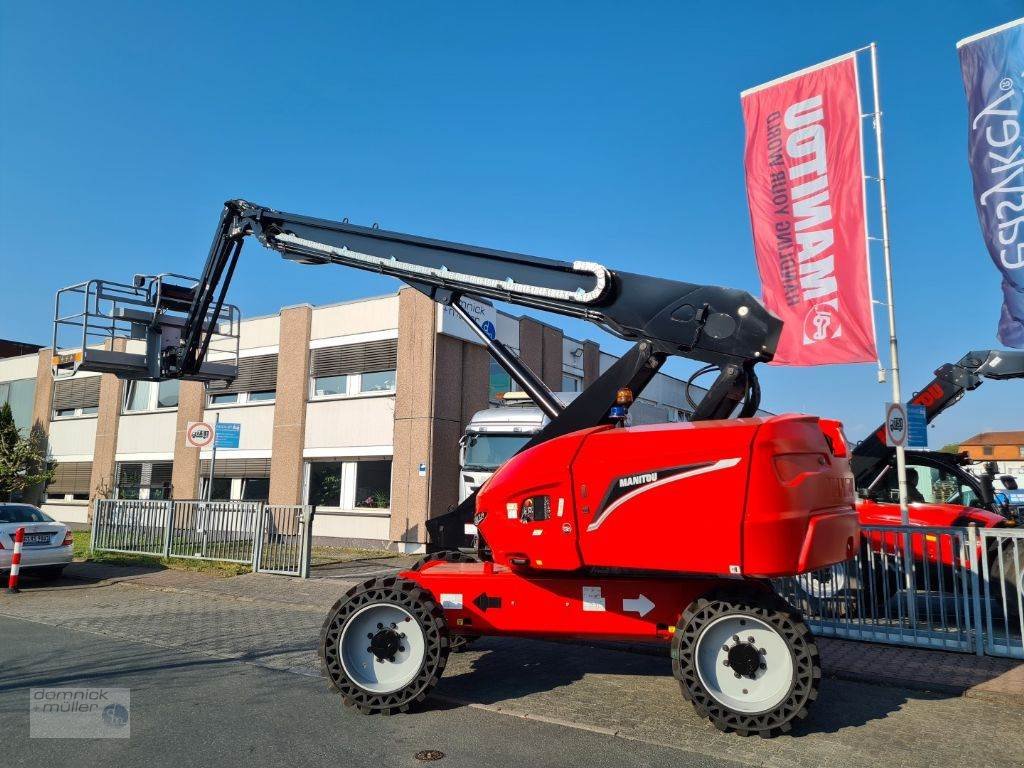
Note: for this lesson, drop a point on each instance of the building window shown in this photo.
(353, 484)
(20, 395)
(987, 450)
(325, 484)
(1020, 451)
(498, 381)
(571, 383)
(377, 381)
(325, 386)
(71, 481)
(76, 397)
(256, 382)
(138, 395)
(373, 484)
(167, 393)
(256, 489)
(354, 369)
(143, 480)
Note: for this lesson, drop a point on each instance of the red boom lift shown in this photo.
(594, 530)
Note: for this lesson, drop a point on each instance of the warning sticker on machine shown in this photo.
(452, 600)
(592, 600)
(512, 510)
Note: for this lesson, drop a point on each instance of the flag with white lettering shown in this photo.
(805, 187)
(992, 64)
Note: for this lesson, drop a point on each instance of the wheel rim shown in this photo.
(382, 648)
(826, 583)
(748, 677)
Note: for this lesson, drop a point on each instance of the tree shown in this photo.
(22, 458)
(950, 448)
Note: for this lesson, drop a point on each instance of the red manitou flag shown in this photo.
(805, 187)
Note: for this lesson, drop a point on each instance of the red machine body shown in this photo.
(746, 497)
(611, 532)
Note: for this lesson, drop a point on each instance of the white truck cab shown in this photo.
(495, 434)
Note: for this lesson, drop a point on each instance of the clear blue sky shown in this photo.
(603, 131)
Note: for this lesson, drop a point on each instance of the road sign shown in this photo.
(917, 427)
(895, 425)
(228, 434)
(198, 434)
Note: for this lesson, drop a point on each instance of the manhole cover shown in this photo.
(429, 755)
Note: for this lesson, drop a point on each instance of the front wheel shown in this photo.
(384, 646)
(746, 661)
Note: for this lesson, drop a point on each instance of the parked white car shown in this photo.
(47, 547)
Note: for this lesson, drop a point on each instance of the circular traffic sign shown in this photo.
(896, 425)
(199, 434)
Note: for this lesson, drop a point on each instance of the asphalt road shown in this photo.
(191, 709)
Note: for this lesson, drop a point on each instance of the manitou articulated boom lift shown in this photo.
(594, 530)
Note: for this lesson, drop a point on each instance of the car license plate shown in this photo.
(35, 539)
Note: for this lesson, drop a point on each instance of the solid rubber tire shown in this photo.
(421, 605)
(783, 619)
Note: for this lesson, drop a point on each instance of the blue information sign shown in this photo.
(228, 435)
(917, 427)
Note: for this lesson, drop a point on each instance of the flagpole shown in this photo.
(894, 356)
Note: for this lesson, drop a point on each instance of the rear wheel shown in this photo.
(384, 646)
(746, 661)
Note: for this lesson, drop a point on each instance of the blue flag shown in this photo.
(992, 64)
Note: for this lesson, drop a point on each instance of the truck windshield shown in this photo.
(489, 452)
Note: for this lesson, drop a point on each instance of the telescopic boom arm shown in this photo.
(708, 323)
(722, 326)
(952, 381)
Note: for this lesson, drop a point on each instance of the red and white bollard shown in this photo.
(12, 582)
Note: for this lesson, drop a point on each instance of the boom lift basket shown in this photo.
(125, 328)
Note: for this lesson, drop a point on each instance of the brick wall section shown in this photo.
(185, 474)
(442, 381)
(540, 348)
(286, 463)
(108, 417)
(591, 362)
(551, 369)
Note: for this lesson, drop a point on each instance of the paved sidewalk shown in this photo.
(274, 622)
(919, 669)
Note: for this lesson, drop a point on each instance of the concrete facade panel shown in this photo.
(355, 317)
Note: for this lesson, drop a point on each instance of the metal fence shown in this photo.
(955, 589)
(272, 538)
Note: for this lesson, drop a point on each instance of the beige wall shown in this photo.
(146, 433)
(350, 422)
(286, 467)
(72, 437)
(355, 317)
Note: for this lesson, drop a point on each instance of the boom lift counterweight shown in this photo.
(660, 532)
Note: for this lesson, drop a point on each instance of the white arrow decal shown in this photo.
(640, 605)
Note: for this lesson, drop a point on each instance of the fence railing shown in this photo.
(272, 538)
(950, 588)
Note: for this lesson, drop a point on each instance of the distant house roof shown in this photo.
(10, 348)
(996, 438)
